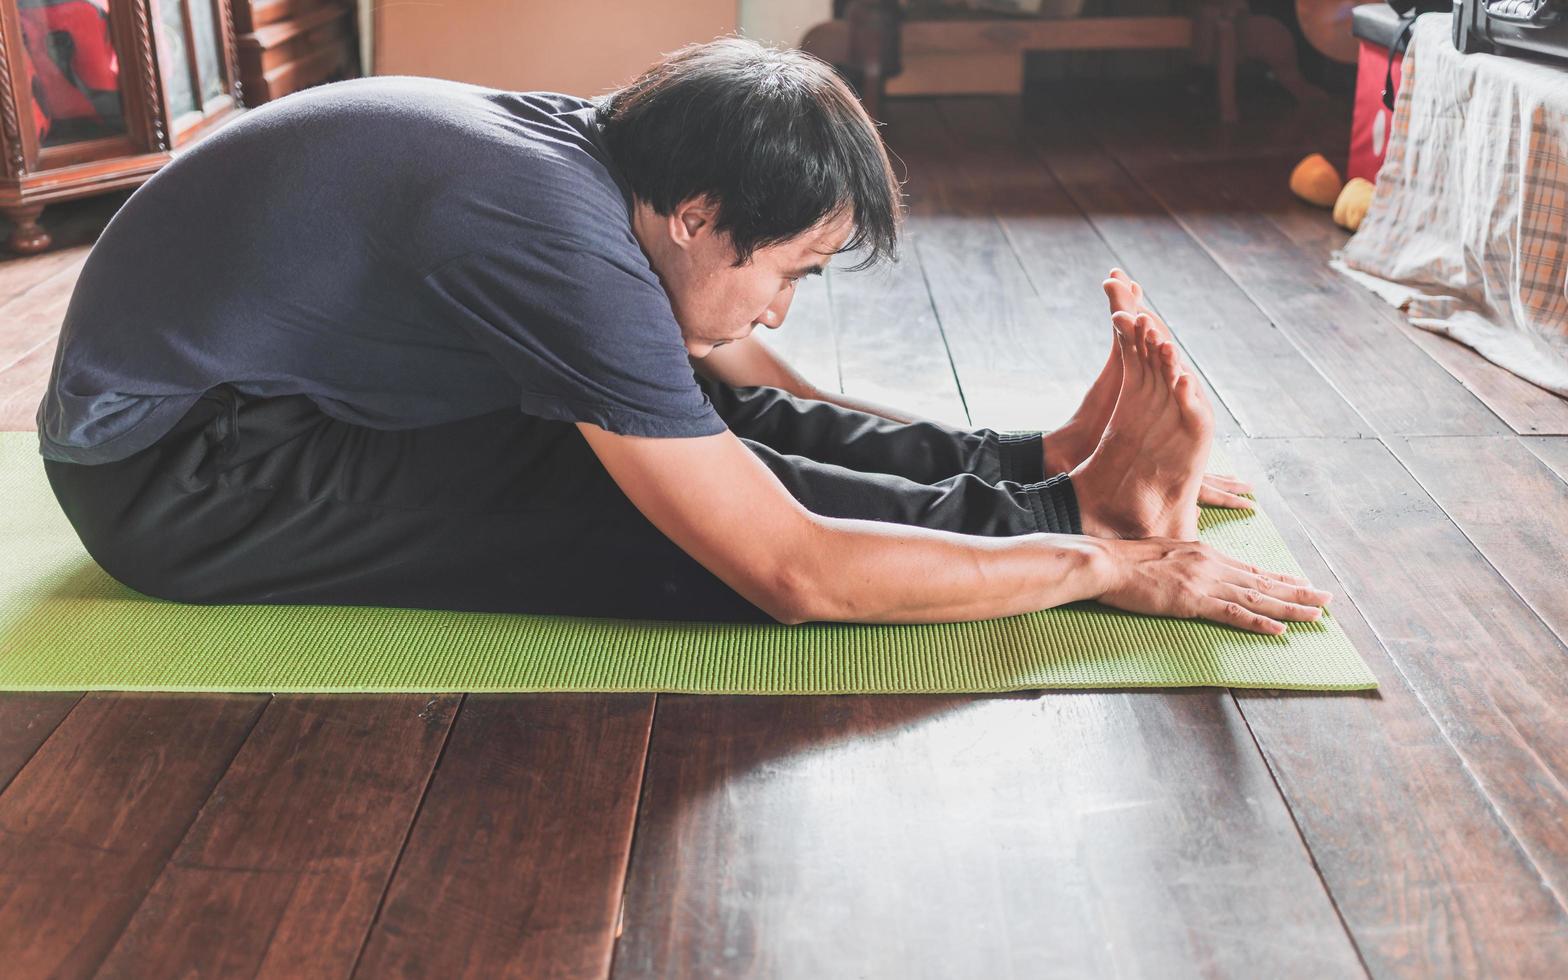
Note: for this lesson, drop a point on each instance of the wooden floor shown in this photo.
(1418, 832)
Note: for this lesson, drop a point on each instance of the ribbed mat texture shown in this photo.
(65, 625)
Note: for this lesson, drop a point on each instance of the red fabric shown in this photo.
(60, 90)
(1371, 124)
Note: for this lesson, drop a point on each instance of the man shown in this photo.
(408, 342)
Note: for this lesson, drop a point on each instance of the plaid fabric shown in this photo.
(1468, 227)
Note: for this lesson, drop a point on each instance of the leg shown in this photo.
(271, 502)
(28, 236)
(1271, 42)
(965, 503)
(268, 501)
(925, 452)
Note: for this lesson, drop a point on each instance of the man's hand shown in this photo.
(1191, 580)
(1223, 490)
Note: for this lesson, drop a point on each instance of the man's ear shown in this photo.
(693, 219)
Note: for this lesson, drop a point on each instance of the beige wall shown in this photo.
(583, 47)
(782, 21)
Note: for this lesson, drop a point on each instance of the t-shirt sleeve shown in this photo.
(587, 334)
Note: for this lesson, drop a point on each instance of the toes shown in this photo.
(1120, 296)
(1120, 275)
(1168, 363)
(1192, 400)
(1149, 337)
(1135, 364)
(1124, 326)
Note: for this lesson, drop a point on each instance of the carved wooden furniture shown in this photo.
(876, 40)
(287, 45)
(96, 95)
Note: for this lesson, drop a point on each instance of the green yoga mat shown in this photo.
(65, 625)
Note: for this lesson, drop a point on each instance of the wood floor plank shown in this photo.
(20, 275)
(890, 344)
(1510, 505)
(86, 826)
(1165, 123)
(1343, 331)
(1483, 664)
(517, 860)
(1526, 408)
(1070, 834)
(283, 870)
(1024, 357)
(1016, 369)
(33, 318)
(26, 720)
(1120, 857)
(1427, 876)
(22, 387)
(73, 225)
(1260, 375)
(1551, 451)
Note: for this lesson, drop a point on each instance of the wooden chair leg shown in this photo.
(1225, 66)
(1202, 51)
(28, 236)
(873, 38)
(1270, 41)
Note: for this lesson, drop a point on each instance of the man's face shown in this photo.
(716, 302)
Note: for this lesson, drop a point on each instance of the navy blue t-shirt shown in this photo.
(403, 251)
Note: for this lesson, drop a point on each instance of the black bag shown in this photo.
(1408, 11)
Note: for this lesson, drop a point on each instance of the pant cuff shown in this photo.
(1055, 505)
(1022, 456)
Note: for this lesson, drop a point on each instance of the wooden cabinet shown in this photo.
(96, 95)
(287, 45)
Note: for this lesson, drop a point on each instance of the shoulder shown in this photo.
(521, 166)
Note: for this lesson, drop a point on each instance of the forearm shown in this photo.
(874, 572)
(752, 362)
(857, 404)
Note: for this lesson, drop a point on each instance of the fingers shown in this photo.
(1277, 584)
(1210, 495)
(1281, 586)
(1225, 481)
(1234, 614)
(1267, 605)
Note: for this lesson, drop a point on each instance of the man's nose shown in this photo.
(777, 310)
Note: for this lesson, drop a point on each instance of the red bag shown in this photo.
(1371, 122)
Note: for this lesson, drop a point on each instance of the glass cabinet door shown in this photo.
(72, 71)
(196, 77)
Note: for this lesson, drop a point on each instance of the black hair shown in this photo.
(772, 136)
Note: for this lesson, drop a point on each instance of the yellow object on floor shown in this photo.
(1316, 181)
(1353, 203)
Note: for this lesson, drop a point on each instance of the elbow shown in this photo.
(795, 589)
(800, 592)
(790, 601)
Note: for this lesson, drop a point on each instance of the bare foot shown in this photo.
(1142, 480)
(1071, 444)
(1125, 295)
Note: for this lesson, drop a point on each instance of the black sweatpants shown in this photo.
(251, 500)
